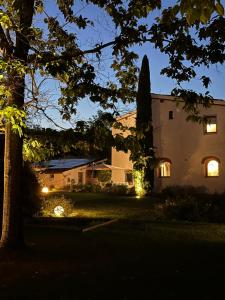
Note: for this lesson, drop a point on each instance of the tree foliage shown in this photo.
(88, 138)
(190, 45)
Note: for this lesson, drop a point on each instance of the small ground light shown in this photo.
(45, 190)
(59, 211)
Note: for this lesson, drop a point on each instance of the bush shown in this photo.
(48, 206)
(117, 189)
(191, 204)
(183, 191)
(87, 188)
(31, 191)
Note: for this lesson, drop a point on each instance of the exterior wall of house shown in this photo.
(119, 158)
(182, 142)
(59, 180)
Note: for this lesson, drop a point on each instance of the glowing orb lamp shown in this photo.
(59, 211)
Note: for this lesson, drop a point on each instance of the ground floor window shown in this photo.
(129, 178)
(165, 168)
(212, 168)
(80, 177)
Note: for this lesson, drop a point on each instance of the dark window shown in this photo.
(80, 177)
(94, 174)
(51, 176)
(170, 115)
(129, 178)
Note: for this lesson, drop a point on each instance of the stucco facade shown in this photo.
(61, 173)
(185, 145)
(61, 179)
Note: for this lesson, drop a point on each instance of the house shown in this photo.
(190, 153)
(60, 173)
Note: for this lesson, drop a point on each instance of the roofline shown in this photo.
(172, 98)
(219, 102)
(59, 170)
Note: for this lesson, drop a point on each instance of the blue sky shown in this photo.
(159, 84)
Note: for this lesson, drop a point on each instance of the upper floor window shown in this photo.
(212, 166)
(165, 168)
(210, 125)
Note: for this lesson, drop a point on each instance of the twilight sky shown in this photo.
(104, 31)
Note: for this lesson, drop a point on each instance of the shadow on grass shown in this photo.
(128, 260)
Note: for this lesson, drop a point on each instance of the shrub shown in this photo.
(31, 191)
(117, 189)
(183, 191)
(132, 191)
(88, 188)
(181, 209)
(48, 206)
(191, 204)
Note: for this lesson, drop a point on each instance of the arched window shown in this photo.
(212, 166)
(165, 168)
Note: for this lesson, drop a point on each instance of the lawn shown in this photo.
(130, 259)
(99, 205)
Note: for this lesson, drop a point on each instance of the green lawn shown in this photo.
(109, 206)
(130, 259)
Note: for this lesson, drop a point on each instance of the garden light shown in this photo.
(45, 190)
(139, 183)
(59, 211)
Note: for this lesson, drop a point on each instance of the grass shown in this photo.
(101, 205)
(126, 260)
(133, 258)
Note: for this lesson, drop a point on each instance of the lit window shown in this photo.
(164, 169)
(212, 168)
(210, 125)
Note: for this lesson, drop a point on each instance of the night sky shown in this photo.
(104, 32)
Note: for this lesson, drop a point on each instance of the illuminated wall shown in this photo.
(184, 144)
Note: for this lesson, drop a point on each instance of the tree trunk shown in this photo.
(12, 220)
(12, 225)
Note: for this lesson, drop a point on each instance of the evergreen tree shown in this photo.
(144, 130)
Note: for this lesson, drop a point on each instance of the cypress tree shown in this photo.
(144, 129)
